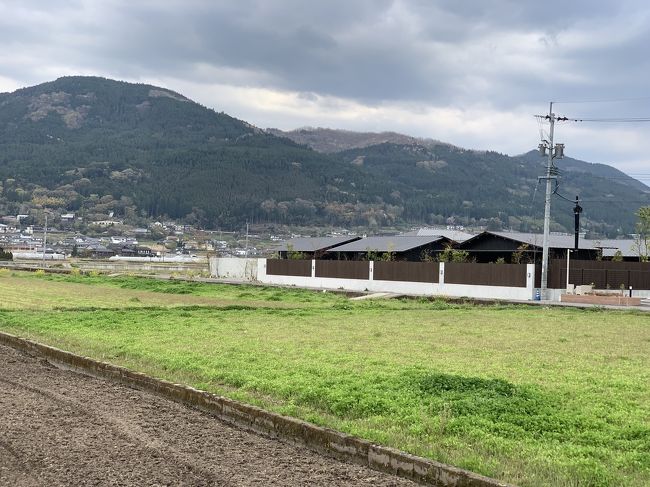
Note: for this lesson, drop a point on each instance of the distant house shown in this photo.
(96, 251)
(398, 247)
(310, 248)
(525, 247)
(135, 251)
(67, 220)
(107, 223)
(23, 243)
(10, 220)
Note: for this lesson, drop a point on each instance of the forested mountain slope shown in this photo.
(95, 146)
(147, 149)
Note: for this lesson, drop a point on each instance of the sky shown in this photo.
(473, 73)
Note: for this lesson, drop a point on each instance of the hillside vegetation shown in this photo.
(96, 146)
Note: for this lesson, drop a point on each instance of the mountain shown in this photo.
(98, 147)
(94, 145)
(485, 185)
(332, 140)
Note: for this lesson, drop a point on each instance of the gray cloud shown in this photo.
(502, 55)
(366, 50)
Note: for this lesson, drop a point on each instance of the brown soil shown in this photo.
(61, 428)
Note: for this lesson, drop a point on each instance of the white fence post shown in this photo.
(530, 280)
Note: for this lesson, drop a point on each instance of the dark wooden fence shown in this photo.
(407, 271)
(510, 275)
(288, 267)
(602, 274)
(343, 269)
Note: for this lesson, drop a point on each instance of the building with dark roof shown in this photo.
(528, 247)
(310, 247)
(629, 250)
(398, 247)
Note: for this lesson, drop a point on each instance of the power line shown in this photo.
(610, 100)
(606, 201)
(631, 176)
(610, 201)
(607, 120)
(601, 120)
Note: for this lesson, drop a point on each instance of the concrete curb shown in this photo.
(322, 440)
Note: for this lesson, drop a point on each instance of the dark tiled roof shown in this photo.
(537, 239)
(609, 246)
(455, 235)
(311, 244)
(398, 243)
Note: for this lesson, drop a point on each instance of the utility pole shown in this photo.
(44, 239)
(246, 251)
(547, 149)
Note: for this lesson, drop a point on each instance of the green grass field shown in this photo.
(529, 395)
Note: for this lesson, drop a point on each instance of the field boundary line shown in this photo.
(322, 440)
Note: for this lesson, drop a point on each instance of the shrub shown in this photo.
(6, 255)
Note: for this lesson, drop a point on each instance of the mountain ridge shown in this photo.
(95, 146)
(330, 140)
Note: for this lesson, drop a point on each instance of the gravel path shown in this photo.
(61, 428)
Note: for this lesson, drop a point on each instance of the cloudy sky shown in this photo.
(470, 72)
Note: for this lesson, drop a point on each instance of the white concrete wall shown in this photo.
(37, 256)
(162, 259)
(403, 287)
(486, 292)
(234, 268)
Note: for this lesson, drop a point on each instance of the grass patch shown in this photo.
(529, 395)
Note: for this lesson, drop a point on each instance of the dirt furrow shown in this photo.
(62, 428)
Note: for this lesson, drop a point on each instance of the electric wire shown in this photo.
(606, 100)
(606, 120)
(601, 120)
(607, 201)
(645, 177)
(541, 119)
